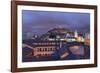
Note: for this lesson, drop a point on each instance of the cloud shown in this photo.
(41, 21)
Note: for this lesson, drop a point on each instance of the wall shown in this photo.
(5, 32)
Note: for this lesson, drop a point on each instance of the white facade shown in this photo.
(75, 33)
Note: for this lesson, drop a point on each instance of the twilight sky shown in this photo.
(39, 22)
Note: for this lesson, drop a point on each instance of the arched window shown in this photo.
(45, 49)
(40, 49)
(48, 49)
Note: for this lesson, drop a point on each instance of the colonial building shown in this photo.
(43, 50)
(46, 48)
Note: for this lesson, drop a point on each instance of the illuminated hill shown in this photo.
(57, 33)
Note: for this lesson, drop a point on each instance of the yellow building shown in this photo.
(80, 39)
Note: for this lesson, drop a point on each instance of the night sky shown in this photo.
(39, 22)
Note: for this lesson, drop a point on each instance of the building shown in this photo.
(87, 39)
(54, 37)
(43, 51)
(76, 34)
(46, 48)
(62, 34)
(48, 43)
(57, 34)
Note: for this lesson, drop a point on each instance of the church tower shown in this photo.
(76, 34)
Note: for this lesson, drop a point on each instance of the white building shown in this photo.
(76, 34)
